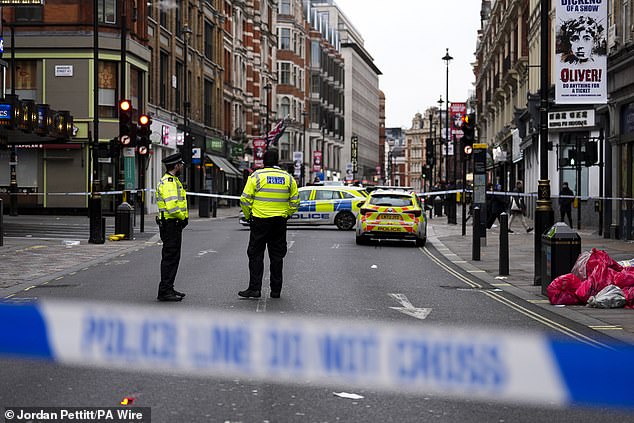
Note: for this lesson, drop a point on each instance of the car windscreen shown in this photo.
(391, 200)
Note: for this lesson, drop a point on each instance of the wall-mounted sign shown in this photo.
(5, 111)
(571, 119)
(354, 153)
(21, 2)
(63, 70)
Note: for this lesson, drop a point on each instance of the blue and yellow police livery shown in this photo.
(327, 205)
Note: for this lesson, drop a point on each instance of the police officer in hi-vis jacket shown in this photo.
(173, 216)
(269, 198)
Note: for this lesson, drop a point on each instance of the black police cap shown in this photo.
(173, 159)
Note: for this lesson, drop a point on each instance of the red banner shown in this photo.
(456, 112)
(259, 147)
(316, 161)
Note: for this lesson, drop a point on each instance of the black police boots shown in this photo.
(169, 297)
(250, 293)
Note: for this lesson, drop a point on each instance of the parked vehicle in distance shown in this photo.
(392, 213)
(326, 205)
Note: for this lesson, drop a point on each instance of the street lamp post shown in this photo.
(267, 89)
(440, 102)
(187, 31)
(303, 148)
(544, 216)
(433, 148)
(451, 198)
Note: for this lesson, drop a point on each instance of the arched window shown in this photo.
(285, 107)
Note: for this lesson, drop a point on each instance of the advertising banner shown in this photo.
(259, 147)
(354, 153)
(457, 111)
(298, 160)
(581, 52)
(317, 161)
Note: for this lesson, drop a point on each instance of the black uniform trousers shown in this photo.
(566, 211)
(172, 236)
(267, 232)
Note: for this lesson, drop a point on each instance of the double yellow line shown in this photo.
(520, 309)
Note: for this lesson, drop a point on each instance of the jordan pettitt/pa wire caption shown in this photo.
(77, 414)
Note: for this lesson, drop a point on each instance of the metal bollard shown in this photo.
(475, 246)
(504, 245)
(214, 206)
(1, 224)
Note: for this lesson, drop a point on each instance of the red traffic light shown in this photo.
(125, 105)
(144, 120)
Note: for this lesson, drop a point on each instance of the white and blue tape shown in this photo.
(468, 363)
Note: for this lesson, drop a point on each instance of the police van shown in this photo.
(326, 205)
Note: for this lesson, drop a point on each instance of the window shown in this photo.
(164, 78)
(285, 39)
(285, 108)
(107, 11)
(315, 54)
(136, 89)
(326, 194)
(178, 19)
(163, 16)
(178, 94)
(285, 7)
(108, 80)
(209, 41)
(209, 86)
(304, 195)
(28, 14)
(284, 76)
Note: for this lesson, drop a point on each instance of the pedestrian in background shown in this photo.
(565, 202)
(269, 198)
(518, 207)
(173, 216)
(498, 205)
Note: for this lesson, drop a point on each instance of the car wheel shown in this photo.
(420, 242)
(361, 240)
(345, 221)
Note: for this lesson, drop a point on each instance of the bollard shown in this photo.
(214, 206)
(437, 206)
(475, 246)
(1, 224)
(504, 245)
(203, 205)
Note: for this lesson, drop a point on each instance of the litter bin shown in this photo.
(203, 204)
(437, 206)
(123, 220)
(561, 247)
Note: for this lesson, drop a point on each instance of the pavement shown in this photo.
(27, 261)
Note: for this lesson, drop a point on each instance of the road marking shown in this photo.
(539, 301)
(408, 308)
(29, 288)
(290, 244)
(520, 309)
(500, 284)
(261, 307)
(203, 252)
(606, 327)
(335, 246)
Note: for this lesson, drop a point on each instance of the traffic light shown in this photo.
(143, 135)
(468, 129)
(429, 152)
(127, 128)
(591, 155)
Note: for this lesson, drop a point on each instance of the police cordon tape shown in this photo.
(420, 194)
(467, 363)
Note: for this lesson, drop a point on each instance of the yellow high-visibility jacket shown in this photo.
(171, 198)
(269, 192)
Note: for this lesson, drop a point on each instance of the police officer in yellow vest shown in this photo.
(173, 216)
(269, 198)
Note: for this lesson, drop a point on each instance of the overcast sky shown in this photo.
(407, 39)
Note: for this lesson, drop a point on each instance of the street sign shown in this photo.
(354, 153)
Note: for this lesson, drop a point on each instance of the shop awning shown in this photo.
(224, 165)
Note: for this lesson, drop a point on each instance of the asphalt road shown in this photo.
(326, 274)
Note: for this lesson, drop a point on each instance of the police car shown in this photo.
(392, 213)
(326, 205)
